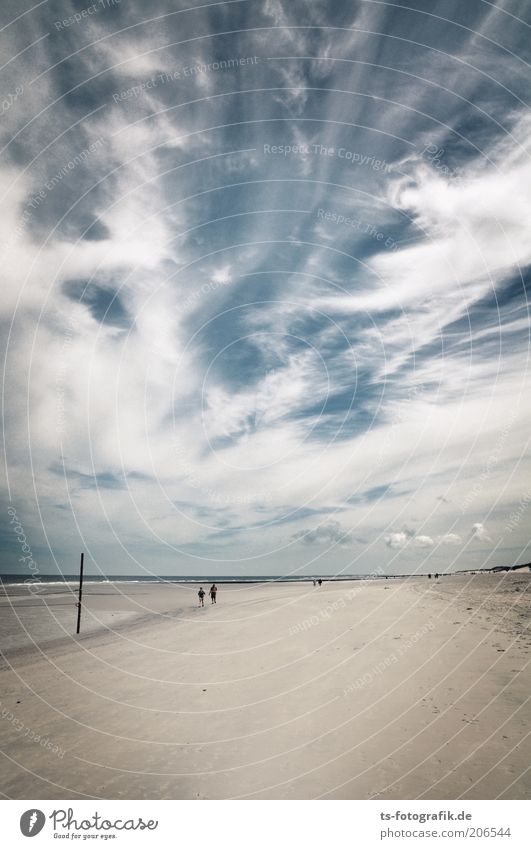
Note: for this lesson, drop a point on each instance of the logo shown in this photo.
(31, 822)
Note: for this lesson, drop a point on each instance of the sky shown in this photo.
(265, 269)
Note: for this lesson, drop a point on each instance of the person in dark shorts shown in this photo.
(213, 593)
(201, 595)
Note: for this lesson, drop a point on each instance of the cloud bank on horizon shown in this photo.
(265, 273)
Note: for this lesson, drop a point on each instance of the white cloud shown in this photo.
(401, 539)
(449, 539)
(329, 533)
(396, 539)
(422, 541)
(479, 531)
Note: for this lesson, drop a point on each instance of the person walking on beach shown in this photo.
(319, 582)
(201, 595)
(213, 593)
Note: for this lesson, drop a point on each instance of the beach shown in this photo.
(407, 688)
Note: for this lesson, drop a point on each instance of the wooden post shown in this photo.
(80, 594)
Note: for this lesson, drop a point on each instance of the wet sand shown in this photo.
(383, 689)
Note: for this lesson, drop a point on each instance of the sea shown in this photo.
(10, 579)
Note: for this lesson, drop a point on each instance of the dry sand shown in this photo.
(384, 689)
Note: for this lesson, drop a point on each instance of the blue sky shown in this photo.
(265, 273)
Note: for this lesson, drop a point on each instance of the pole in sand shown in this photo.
(80, 594)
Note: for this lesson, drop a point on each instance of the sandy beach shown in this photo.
(400, 688)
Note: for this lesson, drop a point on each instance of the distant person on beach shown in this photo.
(201, 595)
(213, 593)
(319, 582)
